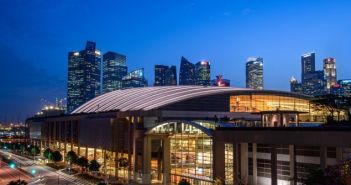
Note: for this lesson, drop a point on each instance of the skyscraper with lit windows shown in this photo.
(203, 73)
(114, 69)
(308, 61)
(186, 72)
(254, 73)
(84, 73)
(134, 79)
(329, 67)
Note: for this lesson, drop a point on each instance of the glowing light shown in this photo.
(76, 53)
(97, 52)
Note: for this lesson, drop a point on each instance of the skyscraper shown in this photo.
(329, 67)
(307, 64)
(84, 72)
(114, 69)
(187, 72)
(203, 73)
(165, 75)
(134, 79)
(295, 86)
(254, 73)
(314, 84)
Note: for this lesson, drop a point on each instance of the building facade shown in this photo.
(203, 73)
(187, 72)
(308, 65)
(295, 86)
(220, 82)
(254, 73)
(329, 68)
(314, 83)
(134, 79)
(165, 75)
(342, 88)
(171, 133)
(114, 69)
(84, 73)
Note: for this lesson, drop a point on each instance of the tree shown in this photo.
(82, 162)
(184, 182)
(71, 157)
(48, 154)
(56, 156)
(94, 165)
(18, 182)
(35, 150)
(123, 163)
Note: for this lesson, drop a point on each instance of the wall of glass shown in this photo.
(229, 164)
(190, 152)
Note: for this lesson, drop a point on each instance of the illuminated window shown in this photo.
(229, 164)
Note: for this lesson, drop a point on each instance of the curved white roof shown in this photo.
(148, 98)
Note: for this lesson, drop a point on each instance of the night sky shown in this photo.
(35, 37)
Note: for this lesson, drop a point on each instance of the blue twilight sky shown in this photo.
(35, 37)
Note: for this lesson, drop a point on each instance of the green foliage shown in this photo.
(184, 182)
(71, 157)
(18, 182)
(94, 165)
(82, 162)
(48, 154)
(34, 150)
(56, 156)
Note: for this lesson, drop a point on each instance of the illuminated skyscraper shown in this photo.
(329, 67)
(134, 79)
(295, 86)
(254, 73)
(84, 73)
(114, 69)
(220, 81)
(165, 75)
(186, 72)
(203, 73)
(307, 65)
(314, 84)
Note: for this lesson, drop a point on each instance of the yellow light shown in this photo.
(97, 52)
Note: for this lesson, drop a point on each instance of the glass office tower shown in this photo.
(134, 79)
(114, 69)
(329, 67)
(254, 73)
(165, 75)
(84, 73)
(203, 73)
(187, 72)
(307, 65)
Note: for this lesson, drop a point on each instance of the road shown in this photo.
(8, 174)
(43, 174)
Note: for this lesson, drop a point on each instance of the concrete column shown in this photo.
(254, 163)
(218, 160)
(146, 177)
(338, 154)
(323, 157)
(244, 170)
(274, 165)
(86, 152)
(94, 153)
(166, 161)
(292, 159)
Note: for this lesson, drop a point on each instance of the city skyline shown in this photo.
(38, 55)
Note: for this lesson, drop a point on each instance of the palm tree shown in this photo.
(48, 154)
(56, 156)
(123, 163)
(82, 162)
(94, 166)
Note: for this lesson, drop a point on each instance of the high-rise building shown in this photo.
(314, 84)
(307, 64)
(165, 75)
(329, 67)
(186, 72)
(220, 81)
(203, 73)
(84, 73)
(114, 69)
(295, 86)
(342, 88)
(134, 79)
(254, 73)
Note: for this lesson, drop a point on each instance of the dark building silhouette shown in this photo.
(84, 73)
(203, 73)
(187, 72)
(307, 65)
(314, 83)
(165, 75)
(114, 69)
(295, 86)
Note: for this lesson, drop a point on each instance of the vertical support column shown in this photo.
(292, 159)
(166, 161)
(338, 154)
(146, 178)
(254, 163)
(94, 153)
(86, 152)
(244, 163)
(323, 157)
(274, 165)
(218, 160)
